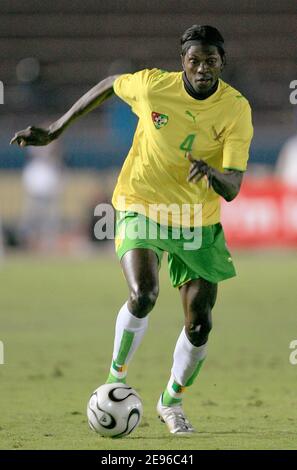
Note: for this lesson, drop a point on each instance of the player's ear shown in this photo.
(182, 61)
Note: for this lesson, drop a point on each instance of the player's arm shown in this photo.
(93, 98)
(225, 184)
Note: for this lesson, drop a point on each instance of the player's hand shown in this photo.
(198, 169)
(32, 136)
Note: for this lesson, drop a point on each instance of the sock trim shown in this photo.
(168, 400)
(119, 368)
(177, 388)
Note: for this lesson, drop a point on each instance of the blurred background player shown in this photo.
(172, 109)
(43, 184)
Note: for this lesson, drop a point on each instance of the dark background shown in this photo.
(77, 43)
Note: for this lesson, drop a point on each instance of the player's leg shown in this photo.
(141, 270)
(198, 298)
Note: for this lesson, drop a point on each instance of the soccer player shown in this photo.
(190, 148)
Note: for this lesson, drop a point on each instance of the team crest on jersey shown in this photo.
(159, 120)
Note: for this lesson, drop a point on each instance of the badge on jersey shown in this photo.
(159, 120)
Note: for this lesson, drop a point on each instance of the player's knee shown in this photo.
(198, 331)
(143, 300)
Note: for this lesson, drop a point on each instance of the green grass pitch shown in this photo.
(57, 322)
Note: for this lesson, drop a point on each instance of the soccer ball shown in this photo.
(114, 410)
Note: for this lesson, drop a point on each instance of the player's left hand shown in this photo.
(198, 169)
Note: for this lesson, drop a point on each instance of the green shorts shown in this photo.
(192, 254)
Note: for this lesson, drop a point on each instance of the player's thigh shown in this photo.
(198, 298)
(141, 270)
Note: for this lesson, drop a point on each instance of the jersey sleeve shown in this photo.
(238, 140)
(133, 87)
(126, 87)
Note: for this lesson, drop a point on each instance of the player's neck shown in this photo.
(192, 92)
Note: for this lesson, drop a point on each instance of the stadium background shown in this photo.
(53, 52)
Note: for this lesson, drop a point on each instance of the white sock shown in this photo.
(129, 332)
(187, 360)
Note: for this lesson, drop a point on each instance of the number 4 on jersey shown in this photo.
(187, 144)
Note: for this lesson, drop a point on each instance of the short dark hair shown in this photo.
(204, 33)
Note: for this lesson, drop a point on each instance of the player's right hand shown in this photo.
(32, 136)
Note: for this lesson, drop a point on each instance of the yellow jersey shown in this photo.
(171, 123)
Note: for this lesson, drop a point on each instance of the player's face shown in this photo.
(203, 65)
